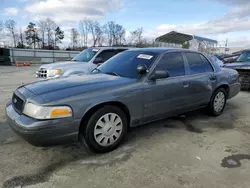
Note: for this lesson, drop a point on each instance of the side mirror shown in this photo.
(141, 69)
(98, 60)
(158, 74)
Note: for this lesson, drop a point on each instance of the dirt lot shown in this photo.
(192, 151)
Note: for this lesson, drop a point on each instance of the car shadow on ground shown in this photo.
(195, 121)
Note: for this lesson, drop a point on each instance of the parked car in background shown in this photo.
(242, 65)
(135, 87)
(230, 58)
(84, 62)
(221, 56)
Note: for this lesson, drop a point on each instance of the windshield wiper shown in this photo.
(96, 69)
(112, 73)
(73, 60)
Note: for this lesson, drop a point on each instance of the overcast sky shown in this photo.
(217, 19)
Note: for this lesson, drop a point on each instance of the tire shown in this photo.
(244, 80)
(245, 86)
(103, 137)
(212, 110)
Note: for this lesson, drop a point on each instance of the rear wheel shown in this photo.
(217, 102)
(105, 129)
(244, 78)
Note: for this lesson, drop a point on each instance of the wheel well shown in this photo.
(91, 111)
(226, 87)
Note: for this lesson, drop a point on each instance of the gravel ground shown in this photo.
(190, 151)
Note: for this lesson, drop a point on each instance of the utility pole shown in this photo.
(226, 50)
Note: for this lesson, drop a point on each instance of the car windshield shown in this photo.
(125, 64)
(86, 55)
(244, 57)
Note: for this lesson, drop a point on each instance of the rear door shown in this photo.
(201, 77)
(106, 54)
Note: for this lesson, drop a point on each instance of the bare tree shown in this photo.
(119, 35)
(99, 34)
(11, 28)
(74, 37)
(96, 31)
(115, 33)
(42, 28)
(84, 31)
(91, 25)
(50, 28)
(109, 31)
(21, 39)
(136, 37)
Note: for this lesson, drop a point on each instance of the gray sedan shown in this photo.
(132, 88)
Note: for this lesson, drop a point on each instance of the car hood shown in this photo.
(78, 83)
(237, 65)
(64, 65)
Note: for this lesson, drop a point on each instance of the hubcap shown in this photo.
(108, 129)
(219, 101)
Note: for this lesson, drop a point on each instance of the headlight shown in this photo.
(55, 72)
(42, 112)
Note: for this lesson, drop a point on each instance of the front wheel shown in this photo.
(105, 129)
(217, 102)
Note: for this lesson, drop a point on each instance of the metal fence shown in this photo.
(40, 56)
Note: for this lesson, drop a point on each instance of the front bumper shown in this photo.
(42, 133)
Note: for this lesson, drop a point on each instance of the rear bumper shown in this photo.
(234, 90)
(42, 133)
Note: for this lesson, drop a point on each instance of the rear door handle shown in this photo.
(185, 84)
(212, 78)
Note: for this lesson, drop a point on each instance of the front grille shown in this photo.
(17, 103)
(41, 73)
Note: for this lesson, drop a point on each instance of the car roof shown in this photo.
(162, 50)
(110, 47)
(247, 50)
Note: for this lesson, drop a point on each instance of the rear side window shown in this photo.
(198, 63)
(173, 63)
(106, 54)
(208, 66)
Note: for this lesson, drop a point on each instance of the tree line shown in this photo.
(46, 34)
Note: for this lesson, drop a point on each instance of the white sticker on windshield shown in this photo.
(95, 50)
(144, 56)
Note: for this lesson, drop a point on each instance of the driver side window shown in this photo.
(173, 63)
(106, 54)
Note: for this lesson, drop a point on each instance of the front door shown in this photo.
(164, 97)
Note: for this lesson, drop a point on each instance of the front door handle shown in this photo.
(212, 78)
(185, 84)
